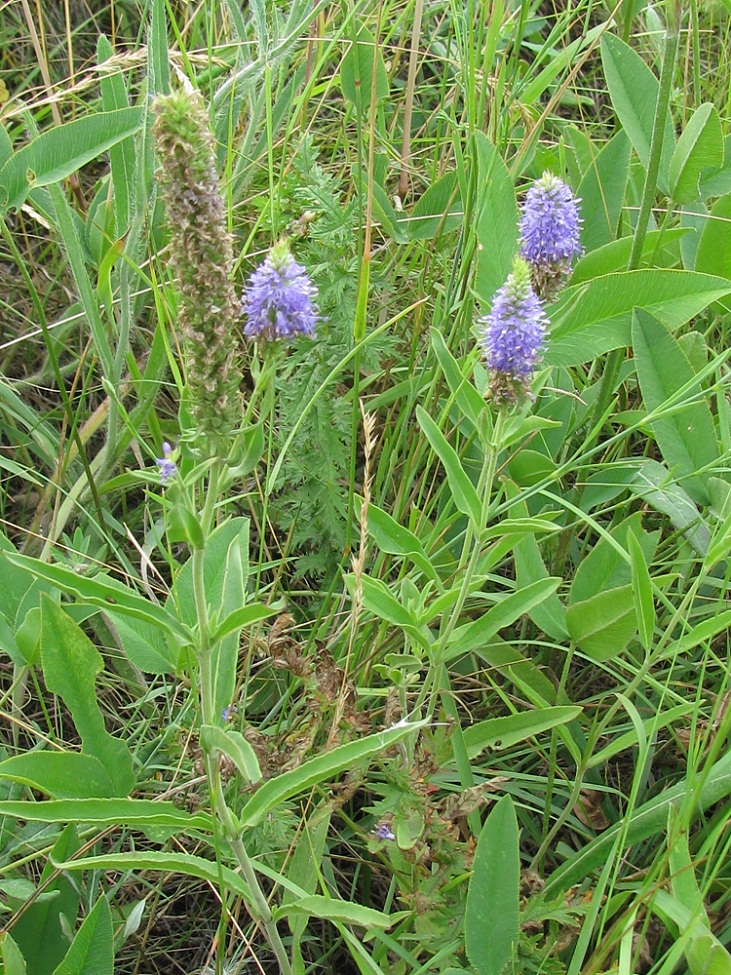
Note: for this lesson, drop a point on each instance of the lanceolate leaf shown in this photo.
(55, 154)
(686, 434)
(491, 914)
(595, 317)
(699, 150)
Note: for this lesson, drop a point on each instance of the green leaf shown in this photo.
(595, 317)
(39, 931)
(318, 770)
(70, 665)
(159, 861)
(504, 732)
(642, 592)
(107, 812)
(55, 154)
(686, 436)
(106, 593)
(603, 625)
(363, 73)
(122, 155)
(332, 909)
(658, 249)
(237, 619)
(226, 643)
(602, 192)
(146, 646)
(13, 961)
(462, 490)
(467, 398)
(714, 247)
(63, 775)
(655, 484)
(699, 149)
(379, 600)
(437, 211)
(492, 923)
(234, 746)
(497, 221)
(92, 950)
(466, 638)
(634, 91)
(395, 539)
(303, 868)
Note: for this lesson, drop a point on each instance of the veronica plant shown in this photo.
(550, 227)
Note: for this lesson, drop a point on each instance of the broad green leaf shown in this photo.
(70, 665)
(12, 959)
(700, 148)
(363, 72)
(595, 317)
(63, 775)
(713, 255)
(603, 625)
(504, 732)
(437, 211)
(331, 909)
(55, 154)
(492, 923)
(395, 539)
(607, 565)
(686, 435)
(237, 619)
(158, 57)
(602, 192)
(39, 931)
(379, 599)
(634, 91)
(642, 592)
(181, 602)
(234, 746)
(462, 490)
(92, 950)
(319, 770)
(147, 646)
(497, 221)
(704, 953)
(468, 637)
(518, 668)
(682, 871)
(650, 820)
(654, 483)
(106, 593)
(659, 249)
(106, 812)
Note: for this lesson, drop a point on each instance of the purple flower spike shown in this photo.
(550, 225)
(168, 470)
(277, 301)
(513, 335)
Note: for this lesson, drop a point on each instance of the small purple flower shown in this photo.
(550, 225)
(168, 470)
(383, 832)
(277, 300)
(229, 711)
(513, 335)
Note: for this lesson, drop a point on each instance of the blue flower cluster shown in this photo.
(277, 302)
(514, 331)
(167, 466)
(550, 226)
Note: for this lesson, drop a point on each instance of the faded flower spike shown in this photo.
(277, 302)
(550, 228)
(201, 254)
(168, 470)
(513, 336)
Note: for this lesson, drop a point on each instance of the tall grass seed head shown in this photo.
(201, 252)
(513, 335)
(550, 228)
(278, 300)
